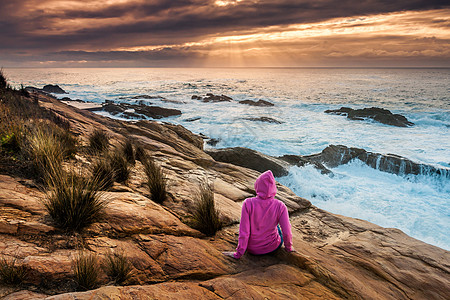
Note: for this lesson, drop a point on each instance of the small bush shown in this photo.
(86, 270)
(98, 141)
(119, 166)
(206, 216)
(140, 153)
(118, 267)
(128, 152)
(11, 272)
(73, 203)
(156, 181)
(104, 173)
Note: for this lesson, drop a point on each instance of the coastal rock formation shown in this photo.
(378, 114)
(137, 111)
(337, 257)
(54, 89)
(260, 102)
(213, 98)
(264, 119)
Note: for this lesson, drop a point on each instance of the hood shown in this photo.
(265, 186)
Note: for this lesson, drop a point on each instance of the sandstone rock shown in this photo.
(25, 295)
(260, 102)
(54, 89)
(378, 114)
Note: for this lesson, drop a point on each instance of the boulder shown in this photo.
(265, 119)
(54, 89)
(260, 102)
(213, 98)
(378, 114)
(140, 110)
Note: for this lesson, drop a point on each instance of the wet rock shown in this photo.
(70, 99)
(378, 114)
(192, 119)
(154, 112)
(54, 89)
(265, 119)
(260, 102)
(213, 141)
(213, 98)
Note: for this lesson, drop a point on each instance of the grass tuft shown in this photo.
(103, 171)
(140, 153)
(128, 152)
(98, 141)
(11, 272)
(119, 166)
(156, 181)
(86, 270)
(206, 216)
(73, 202)
(3, 81)
(118, 268)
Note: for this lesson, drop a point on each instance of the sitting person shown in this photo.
(261, 219)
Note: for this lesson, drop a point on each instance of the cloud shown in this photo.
(179, 30)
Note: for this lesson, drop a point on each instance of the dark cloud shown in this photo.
(37, 27)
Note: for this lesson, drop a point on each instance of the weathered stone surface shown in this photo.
(25, 295)
(378, 114)
(260, 102)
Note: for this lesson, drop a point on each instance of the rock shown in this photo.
(69, 99)
(25, 295)
(213, 141)
(264, 119)
(260, 102)
(54, 89)
(335, 155)
(378, 114)
(213, 98)
(252, 159)
(192, 119)
(140, 110)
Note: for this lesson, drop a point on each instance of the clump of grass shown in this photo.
(156, 181)
(118, 267)
(128, 152)
(68, 142)
(73, 202)
(86, 270)
(206, 216)
(113, 167)
(119, 166)
(140, 153)
(103, 171)
(3, 80)
(98, 141)
(11, 272)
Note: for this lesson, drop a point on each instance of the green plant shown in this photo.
(128, 152)
(11, 272)
(98, 141)
(156, 181)
(73, 203)
(86, 270)
(118, 267)
(206, 216)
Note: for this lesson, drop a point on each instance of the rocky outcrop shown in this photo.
(54, 89)
(337, 257)
(260, 102)
(137, 111)
(378, 114)
(213, 98)
(264, 119)
(335, 155)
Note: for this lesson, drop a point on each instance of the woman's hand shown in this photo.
(230, 254)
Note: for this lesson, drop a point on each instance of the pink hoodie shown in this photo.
(259, 219)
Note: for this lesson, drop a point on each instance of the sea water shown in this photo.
(416, 204)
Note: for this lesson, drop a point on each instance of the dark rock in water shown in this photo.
(300, 161)
(192, 119)
(154, 112)
(213, 142)
(265, 119)
(54, 89)
(72, 100)
(146, 97)
(213, 98)
(260, 102)
(378, 114)
(335, 155)
(251, 159)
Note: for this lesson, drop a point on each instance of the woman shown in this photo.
(261, 219)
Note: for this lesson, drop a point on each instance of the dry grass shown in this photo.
(98, 141)
(206, 216)
(86, 271)
(118, 268)
(128, 152)
(11, 272)
(156, 181)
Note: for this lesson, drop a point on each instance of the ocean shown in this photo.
(416, 204)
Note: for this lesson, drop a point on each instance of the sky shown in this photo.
(226, 33)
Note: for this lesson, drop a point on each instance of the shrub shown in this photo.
(86, 270)
(10, 272)
(206, 216)
(118, 267)
(156, 181)
(128, 152)
(98, 141)
(73, 203)
(119, 166)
